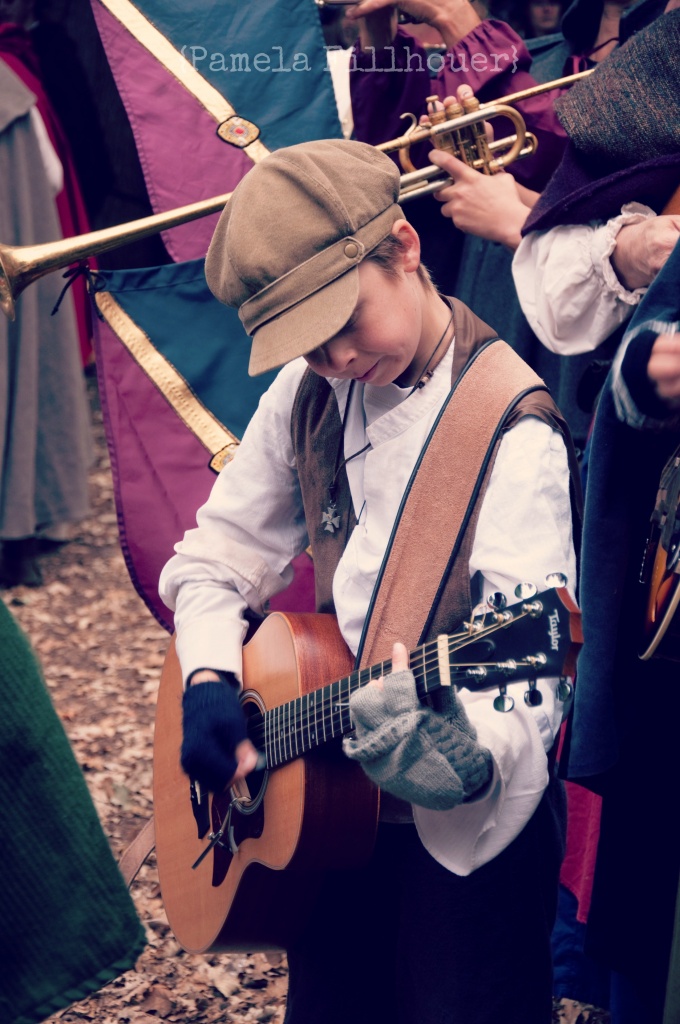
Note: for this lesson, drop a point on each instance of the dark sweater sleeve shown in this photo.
(385, 83)
(637, 401)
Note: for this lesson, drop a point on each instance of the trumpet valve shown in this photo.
(453, 109)
(481, 154)
(471, 104)
(437, 114)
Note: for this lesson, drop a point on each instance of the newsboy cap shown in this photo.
(288, 244)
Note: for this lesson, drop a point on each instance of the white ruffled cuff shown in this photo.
(603, 244)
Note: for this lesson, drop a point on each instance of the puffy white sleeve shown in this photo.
(567, 286)
(247, 534)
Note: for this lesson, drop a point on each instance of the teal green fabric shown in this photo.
(267, 58)
(67, 923)
(203, 339)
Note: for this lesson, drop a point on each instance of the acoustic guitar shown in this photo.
(239, 870)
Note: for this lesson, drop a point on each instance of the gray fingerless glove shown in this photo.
(427, 758)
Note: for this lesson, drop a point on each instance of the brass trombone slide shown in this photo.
(21, 265)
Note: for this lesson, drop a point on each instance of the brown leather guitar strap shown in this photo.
(440, 497)
(136, 853)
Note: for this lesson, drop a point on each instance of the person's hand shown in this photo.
(642, 249)
(215, 749)
(489, 206)
(399, 664)
(453, 18)
(663, 368)
(425, 757)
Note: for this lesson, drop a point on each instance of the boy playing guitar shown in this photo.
(450, 919)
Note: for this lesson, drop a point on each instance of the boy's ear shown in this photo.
(410, 241)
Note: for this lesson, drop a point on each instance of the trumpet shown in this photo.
(462, 133)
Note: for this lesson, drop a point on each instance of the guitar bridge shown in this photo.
(200, 806)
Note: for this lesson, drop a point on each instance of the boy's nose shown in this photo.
(339, 355)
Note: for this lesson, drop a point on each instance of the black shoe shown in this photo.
(19, 564)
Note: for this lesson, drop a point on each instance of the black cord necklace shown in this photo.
(330, 519)
(427, 374)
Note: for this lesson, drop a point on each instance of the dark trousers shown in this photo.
(404, 941)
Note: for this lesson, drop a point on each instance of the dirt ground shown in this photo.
(102, 654)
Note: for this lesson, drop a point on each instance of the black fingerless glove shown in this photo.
(213, 725)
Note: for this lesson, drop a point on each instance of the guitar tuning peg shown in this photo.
(497, 601)
(533, 696)
(525, 590)
(556, 579)
(565, 690)
(503, 702)
(476, 623)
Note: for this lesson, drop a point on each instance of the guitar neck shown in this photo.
(292, 729)
(316, 718)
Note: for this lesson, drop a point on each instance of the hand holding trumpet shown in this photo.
(491, 206)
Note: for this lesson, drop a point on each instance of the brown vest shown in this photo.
(316, 433)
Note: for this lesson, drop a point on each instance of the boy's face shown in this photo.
(383, 339)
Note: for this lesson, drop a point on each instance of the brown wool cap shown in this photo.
(289, 241)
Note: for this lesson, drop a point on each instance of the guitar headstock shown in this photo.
(533, 638)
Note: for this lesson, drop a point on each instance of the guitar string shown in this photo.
(429, 659)
(429, 654)
(301, 725)
(297, 726)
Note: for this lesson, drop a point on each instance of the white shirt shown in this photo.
(567, 286)
(338, 62)
(252, 526)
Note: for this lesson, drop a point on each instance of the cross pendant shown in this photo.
(330, 520)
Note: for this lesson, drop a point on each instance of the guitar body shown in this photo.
(661, 626)
(315, 813)
(661, 569)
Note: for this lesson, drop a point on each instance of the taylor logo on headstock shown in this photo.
(554, 630)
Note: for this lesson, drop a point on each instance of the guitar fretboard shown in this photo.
(292, 729)
(298, 726)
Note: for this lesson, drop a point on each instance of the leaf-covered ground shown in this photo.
(102, 654)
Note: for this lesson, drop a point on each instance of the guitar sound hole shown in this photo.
(255, 784)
